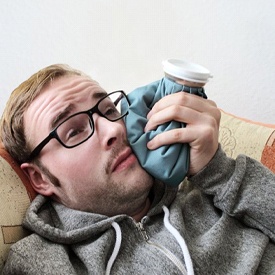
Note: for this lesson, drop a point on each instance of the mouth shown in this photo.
(123, 161)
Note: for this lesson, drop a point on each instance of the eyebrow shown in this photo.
(68, 110)
(98, 95)
(61, 116)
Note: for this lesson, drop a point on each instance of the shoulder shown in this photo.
(35, 253)
(36, 246)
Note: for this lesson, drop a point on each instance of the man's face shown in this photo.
(101, 175)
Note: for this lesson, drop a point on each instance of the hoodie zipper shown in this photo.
(161, 248)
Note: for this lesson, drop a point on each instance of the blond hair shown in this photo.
(12, 132)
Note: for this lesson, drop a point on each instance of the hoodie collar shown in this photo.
(60, 224)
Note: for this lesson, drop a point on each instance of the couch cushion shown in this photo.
(242, 136)
(15, 198)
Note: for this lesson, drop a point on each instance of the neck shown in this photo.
(143, 211)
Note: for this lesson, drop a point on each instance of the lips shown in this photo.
(124, 160)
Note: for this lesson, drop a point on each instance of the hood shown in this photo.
(65, 226)
(60, 224)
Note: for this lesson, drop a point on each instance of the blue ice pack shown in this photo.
(169, 163)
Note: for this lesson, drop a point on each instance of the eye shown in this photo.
(74, 132)
(110, 111)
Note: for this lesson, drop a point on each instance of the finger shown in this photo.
(169, 137)
(182, 99)
(192, 134)
(182, 114)
(171, 113)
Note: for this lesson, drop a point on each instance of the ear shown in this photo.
(40, 183)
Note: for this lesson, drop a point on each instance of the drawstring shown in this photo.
(170, 228)
(180, 240)
(116, 248)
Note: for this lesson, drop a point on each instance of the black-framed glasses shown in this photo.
(79, 127)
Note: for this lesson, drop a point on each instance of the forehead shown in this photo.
(68, 86)
(71, 93)
(66, 90)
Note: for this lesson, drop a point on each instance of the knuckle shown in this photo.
(176, 109)
(217, 114)
(211, 131)
(176, 135)
(213, 122)
(213, 103)
(214, 117)
(182, 98)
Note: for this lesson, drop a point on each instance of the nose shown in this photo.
(109, 132)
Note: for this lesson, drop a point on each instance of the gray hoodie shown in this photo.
(220, 222)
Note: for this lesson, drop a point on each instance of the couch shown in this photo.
(237, 136)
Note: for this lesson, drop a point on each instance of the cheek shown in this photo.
(76, 163)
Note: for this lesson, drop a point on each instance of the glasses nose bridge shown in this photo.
(93, 110)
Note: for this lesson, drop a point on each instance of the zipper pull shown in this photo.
(142, 231)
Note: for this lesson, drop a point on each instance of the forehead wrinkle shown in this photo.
(59, 94)
(68, 110)
(72, 87)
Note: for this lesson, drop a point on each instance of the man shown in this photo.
(99, 212)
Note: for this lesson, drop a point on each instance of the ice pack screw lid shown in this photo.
(186, 70)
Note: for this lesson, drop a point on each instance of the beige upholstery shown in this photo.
(15, 197)
(236, 136)
(240, 136)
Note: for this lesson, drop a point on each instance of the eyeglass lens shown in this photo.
(79, 127)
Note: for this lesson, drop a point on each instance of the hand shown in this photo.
(201, 132)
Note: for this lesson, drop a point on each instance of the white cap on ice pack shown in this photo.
(186, 70)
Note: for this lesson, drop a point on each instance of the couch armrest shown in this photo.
(242, 136)
(15, 196)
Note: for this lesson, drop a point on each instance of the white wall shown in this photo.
(121, 43)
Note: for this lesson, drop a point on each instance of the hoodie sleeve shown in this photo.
(16, 264)
(34, 255)
(242, 188)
